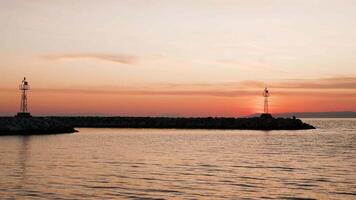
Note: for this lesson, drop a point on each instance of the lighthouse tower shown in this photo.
(265, 95)
(266, 113)
(24, 87)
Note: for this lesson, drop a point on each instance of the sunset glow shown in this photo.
(182, 58)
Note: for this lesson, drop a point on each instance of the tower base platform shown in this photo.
(23, 114)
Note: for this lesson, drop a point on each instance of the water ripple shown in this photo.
(183, 164)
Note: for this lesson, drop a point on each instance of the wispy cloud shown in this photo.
(331, 83)
(149, 92)
(208, 92)
(116, 58)
(337, 86)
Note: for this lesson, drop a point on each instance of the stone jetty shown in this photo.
(264, 122)
(33, 126)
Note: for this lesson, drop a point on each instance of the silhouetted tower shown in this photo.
(266, 95)
(24, 87)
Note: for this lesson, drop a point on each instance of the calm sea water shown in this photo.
(182, 164)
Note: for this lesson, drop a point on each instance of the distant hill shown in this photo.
(344, 114)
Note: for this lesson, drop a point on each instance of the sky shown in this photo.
(177, 57)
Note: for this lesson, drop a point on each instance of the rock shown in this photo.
(33, 126)
(265, 122)
(54, 125)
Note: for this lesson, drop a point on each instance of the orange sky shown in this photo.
(177, 58)
(220, 99)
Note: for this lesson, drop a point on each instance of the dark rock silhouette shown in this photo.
(266, 116)
(55, 125)
(33, 125)
(22, 114)
(265, 122)
(344, 114)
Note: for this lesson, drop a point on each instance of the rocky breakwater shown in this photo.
(265, 122)
(33, 126)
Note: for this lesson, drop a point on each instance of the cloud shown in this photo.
(163, 92)
(323, 83)
(207, 92)
(339, 87)
(122, 59)
(331, 83)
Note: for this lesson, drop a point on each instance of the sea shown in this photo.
(102, 163)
